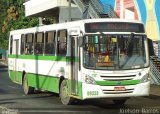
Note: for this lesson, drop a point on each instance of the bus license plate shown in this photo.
(119, 88)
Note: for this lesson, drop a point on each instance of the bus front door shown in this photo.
(74, 65)
(15, 52)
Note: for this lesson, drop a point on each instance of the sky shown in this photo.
(111, 2)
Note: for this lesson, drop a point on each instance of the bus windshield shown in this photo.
(115, 52)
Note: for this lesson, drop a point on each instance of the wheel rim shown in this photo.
(64, 93)
(25, 85)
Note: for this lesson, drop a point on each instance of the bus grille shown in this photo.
(118, 78)
(117, 92)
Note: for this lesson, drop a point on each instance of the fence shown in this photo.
(154, 71)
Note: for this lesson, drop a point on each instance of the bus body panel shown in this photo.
(44, 71)
(106, 81)
(96, 91)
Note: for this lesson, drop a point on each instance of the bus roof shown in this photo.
(69, 25)
(111, 20)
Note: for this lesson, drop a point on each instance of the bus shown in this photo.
(85, 59)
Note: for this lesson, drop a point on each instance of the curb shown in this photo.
(3, 63)
(5, 110)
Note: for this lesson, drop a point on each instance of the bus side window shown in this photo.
(23, 44)
(39, 43)
(11, 44)
(29, 44)
(50, 42)
(62, 42)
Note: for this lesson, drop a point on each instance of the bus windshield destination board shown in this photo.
(114, 27)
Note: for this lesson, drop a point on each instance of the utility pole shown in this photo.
(40, 21)
(69, 10)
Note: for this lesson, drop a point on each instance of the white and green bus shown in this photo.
(86, 59)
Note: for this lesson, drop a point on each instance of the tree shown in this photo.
(2, 17)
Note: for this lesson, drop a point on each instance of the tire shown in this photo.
(27, 89)
(64, 94)
(120, 102)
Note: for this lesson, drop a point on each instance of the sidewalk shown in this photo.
(4, 62)
(155, 90)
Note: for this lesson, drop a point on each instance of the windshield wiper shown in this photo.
(129, 45)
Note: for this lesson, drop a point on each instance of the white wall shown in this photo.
(63, 14)
(129, 14)
(37, 6)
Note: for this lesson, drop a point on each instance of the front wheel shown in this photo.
(120, 101)
(27, 89)
(64, 93)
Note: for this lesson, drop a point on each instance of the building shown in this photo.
(147, 11)
(54, 8)
(66, 10)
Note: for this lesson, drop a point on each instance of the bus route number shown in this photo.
(92, 93)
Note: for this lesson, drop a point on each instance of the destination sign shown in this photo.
(114, 27)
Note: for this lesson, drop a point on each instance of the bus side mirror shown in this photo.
(80, 41)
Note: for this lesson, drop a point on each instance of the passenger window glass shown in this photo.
(29, 44)
(11, 44)
(39, 43)
(62, 42)
(22, 44)
(50, 42)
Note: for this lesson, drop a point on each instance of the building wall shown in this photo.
(64, 17)
(33, 7)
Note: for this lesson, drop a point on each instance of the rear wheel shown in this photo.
(27, 89)
(119, 101)
(64, 93)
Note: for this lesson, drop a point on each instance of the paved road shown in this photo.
(13, 98)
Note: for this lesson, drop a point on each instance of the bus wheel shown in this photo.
(64, 93)
(27, 89)
(119, 101)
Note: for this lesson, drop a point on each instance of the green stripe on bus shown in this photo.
(43, 82)
(118, 83)
(46, 57)
(16, 76)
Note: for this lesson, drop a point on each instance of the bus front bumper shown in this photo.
(95, 91)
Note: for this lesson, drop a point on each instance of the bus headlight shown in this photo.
(145, 78)
(89, 80)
